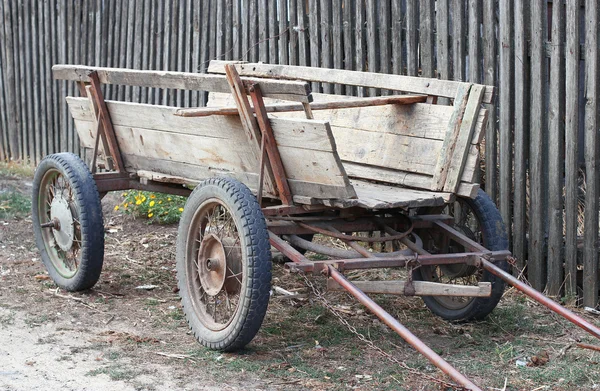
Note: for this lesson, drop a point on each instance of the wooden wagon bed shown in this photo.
(410, 153)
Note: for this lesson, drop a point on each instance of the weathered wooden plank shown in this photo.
(237, 30)
(556, 160)
(590, 235)
(290, 90)
(284, 33)
(196, 45)
(463, 141)
(415, 85)
(459, 37)
(377, 196)
(396, 31)
(31, 73)
(426, 36)
(229, 26)
(489, 78)
(253, 31)
(403, 178)
(313, 23)
(283, 107)
(421, 288)
(538, 211)
(412, 24)
(147, 33)
(220, 25)
(273, 32)
(303, 51)
(122, 63)
(325, 39)
(4, 150)
(47, 141)
(571, 147)
(337, 40)
(475, 18)
(312, 172)
(263, 34)
(383, 21)
(445, 156)
(359, 40)
(443, 39)
(347, 31)
(506, 113)
(521, 63)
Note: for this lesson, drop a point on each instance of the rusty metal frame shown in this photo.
(477, 256)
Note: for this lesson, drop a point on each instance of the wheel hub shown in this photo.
(63, 229)
(212, 265)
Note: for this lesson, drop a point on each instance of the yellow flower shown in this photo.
(151, 203)
(143, 198)
(169, 199)
(124, 194)
(125, 205)
(138, 202)
(150, 214)
(152, 196)
(159, 202)
(181, 209)
(116, 207)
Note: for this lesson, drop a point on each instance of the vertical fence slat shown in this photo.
(294, 31)
(372, 41)
(385, 48)
(229, 26)
(505, 128)
(337, 40)
(138, 44)
(571, 147)
(313, 23)
(196, 57)
(396, 26)
(273, 32)
(590, 236)
(459, 46)
(284, 30)
(474, 42)
(412, 24)
(4, 127)
(30, 73)
(62, 37)
(521, 86)
(253, 31)
(556, 156)
(443, 42)
(263, 32)
(179, 52)
(489, 78)
(166, 47)
(326, 44)
(48, 85)
(20, 78)
(123, 45)
(427, 39)
(537, 228)
(220, 39)
(303, 53)
(147, 35)
(237, 29)
(348, 42)
(159, 45)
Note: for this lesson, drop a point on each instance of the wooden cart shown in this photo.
(278, 169)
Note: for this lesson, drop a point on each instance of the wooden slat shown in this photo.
(475, 17)
(489, 78)
(303, 55)
(412, 24)
(426, 37)
(521, 63)
(284, 107)
(325, 39)
(459, 41)
(282, 89)
(349, 44)
(556, 159)
(337, 40)
(538, 211)
(313, 26)
(590, 235)
(443, 39)
(463, 141)
(506, 116)
(445, 156)
(415, 85)
(154, 132)
(421, 288)
(396, 31)
(284, 27)
(4, 129)
(571, 147)
(373, 53)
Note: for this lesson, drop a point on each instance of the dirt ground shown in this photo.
(118, 337)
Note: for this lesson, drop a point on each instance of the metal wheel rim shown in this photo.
(217, 310)
(466, 221)
(64, 254)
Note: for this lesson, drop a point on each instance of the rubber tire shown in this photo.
(91, 219)
(496, 239)
(256, 252)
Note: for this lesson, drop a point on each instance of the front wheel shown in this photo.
(223, 264)
(480, 220)
(67, 221)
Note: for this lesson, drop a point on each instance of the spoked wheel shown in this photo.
(67, 221)
(479, 220)
(223, 264)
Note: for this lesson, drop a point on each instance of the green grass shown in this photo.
(13, 169)
(114, 372)
(14, 205)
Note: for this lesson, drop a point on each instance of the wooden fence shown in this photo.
(541, 143)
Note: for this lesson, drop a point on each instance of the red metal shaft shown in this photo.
(402, 331)
(540, 298)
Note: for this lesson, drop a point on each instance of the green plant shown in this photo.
(156, 207)
(14, 205)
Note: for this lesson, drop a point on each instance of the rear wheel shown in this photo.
(479, 220)
(223, 264)
(67, 221)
